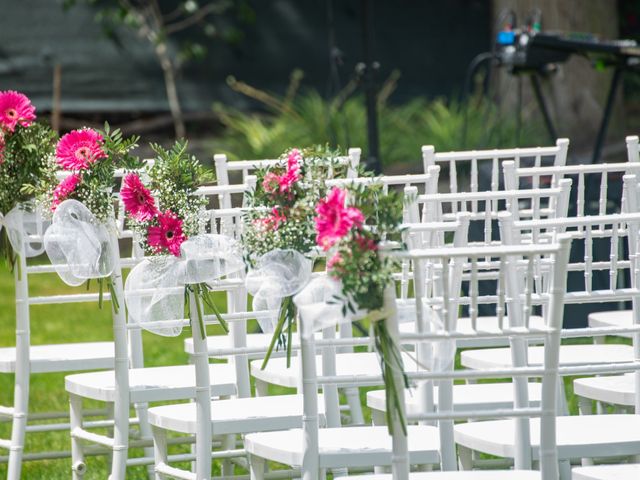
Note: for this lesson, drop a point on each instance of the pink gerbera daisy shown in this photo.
(167, 235)
(15, 109)
(78, 149)
(65, 188)
(334, 220)
(137, 199)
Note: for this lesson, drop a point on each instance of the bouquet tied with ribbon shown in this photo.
(279, 238)
(81, 239)
(27, 171)
(168, 219)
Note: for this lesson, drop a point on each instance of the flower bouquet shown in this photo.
(27, 171)
(168, 220)
(279, 237)
(83, 225)
(353, 234)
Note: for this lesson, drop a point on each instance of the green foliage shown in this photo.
(27, 169)
(341, 122)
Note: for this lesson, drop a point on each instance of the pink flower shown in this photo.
(137, 199)
(287, 180)
(366, 243)
(15, 109)
(334, 261)
(167, 235)
(334, 220)
(293, 160)
(275, 219)
(271, 182)
(65, 188)
(78, 149)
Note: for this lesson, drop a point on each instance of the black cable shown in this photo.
(474, 65)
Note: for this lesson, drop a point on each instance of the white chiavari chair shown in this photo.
(130, 384)
(25, 358)
(583, 436)
(514, 269)
(315, 449)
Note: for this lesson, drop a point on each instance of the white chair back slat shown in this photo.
(248, 167)
(484, 165)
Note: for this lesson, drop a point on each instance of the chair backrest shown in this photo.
(483, 208)
(248, 167)
(483, 167)
(423, 182)
(330, 379)
(596, 189)
(439, 288)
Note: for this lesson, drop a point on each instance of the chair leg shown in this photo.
(262, 388)
(228, 443)
(256, 467)
(78, 467)
(145, 432)
(355, 407)
(160, 453)
(120, 441)
(565, 469)
(585, 406)
(465, 457)
(19, 424)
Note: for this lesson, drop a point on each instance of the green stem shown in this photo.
(199, 311)
(391, 365)
(114, 298)
(278, 330)
(206, 296)
(100, 287)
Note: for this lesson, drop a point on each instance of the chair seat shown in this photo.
(365, 363)
(614, 389)
(612, 318)
(152, 384)
(465, 397)
(463, 475)
(577, 436)
(66, 357)
(629, 471)
(237, 415)
(569, 355)
(345, 447)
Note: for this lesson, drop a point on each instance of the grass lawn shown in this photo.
(77, 323)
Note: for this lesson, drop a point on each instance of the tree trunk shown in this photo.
(576, 93)
(172, 90)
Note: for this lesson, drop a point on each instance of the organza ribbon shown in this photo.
(78, 245)
(22, 222)
(321, 304)
(154, 290)
(278, 274)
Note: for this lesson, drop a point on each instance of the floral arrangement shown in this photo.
(280, 217)
(89, 159)
(165, 212)
(351, 225)
(27, 169)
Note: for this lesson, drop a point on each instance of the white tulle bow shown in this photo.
(78, 245)
(154, 290)
(276, 275)
(23, 222)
